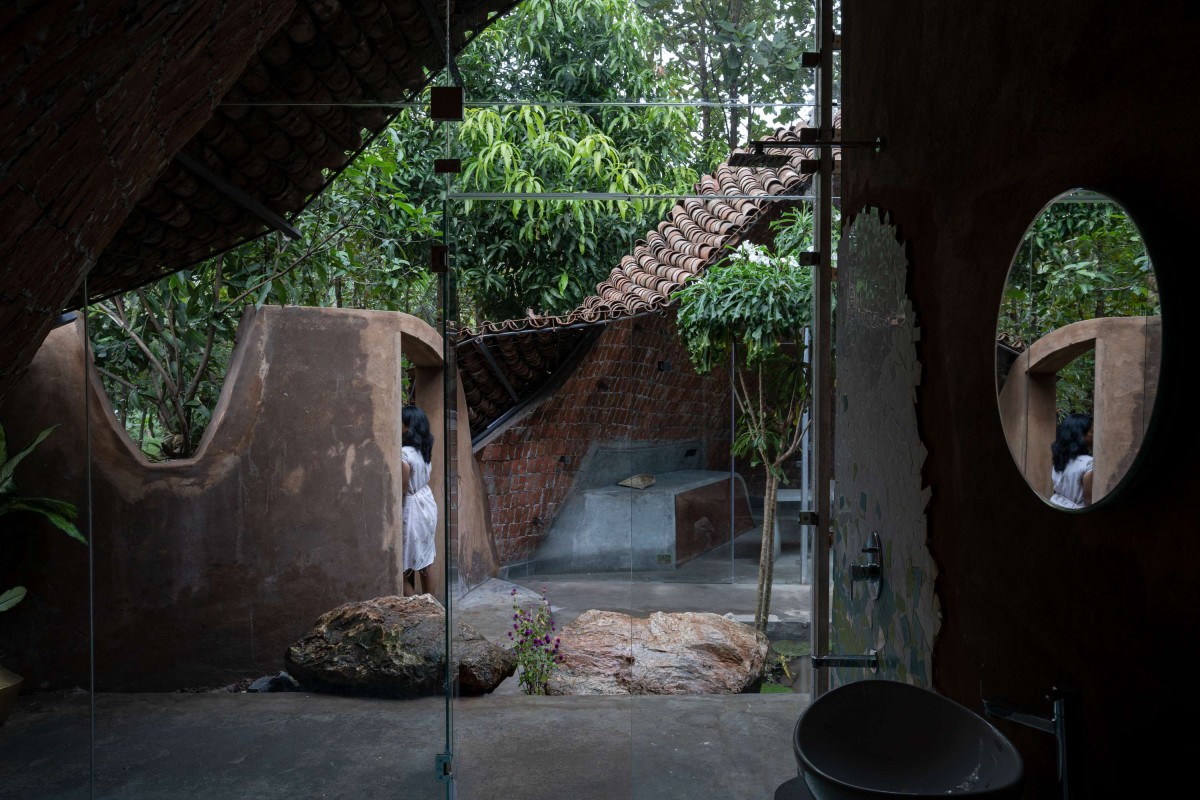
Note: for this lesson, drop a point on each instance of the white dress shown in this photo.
(1068, 484)
(420, 513)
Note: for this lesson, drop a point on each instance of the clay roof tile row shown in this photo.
(694, 235)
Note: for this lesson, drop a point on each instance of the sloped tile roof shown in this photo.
(503, 364)
(284, 131)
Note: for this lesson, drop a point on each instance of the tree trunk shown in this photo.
(766, 556)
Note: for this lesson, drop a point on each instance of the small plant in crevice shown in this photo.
(777, 669)
(773, 678)
(535, 644)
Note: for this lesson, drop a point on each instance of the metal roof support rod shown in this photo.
(443, 36)
(822, 367)
(238, 196)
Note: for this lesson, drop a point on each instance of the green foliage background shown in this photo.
(548, 89)
(1077, 261)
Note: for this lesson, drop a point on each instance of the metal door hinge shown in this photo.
(444, 766)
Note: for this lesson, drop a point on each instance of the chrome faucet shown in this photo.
(872, 571)
(1064, 723)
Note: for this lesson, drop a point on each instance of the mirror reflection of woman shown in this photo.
(1073, 463)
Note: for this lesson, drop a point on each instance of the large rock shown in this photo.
(394, 647)
(605, 652)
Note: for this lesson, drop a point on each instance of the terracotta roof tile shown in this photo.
(693, 236)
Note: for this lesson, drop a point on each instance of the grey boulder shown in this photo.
(394, 647)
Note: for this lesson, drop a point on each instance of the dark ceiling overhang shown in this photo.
(306, 104)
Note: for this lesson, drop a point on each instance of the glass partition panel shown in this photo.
(554, 441)
(254, 631)
(565, 160)
(45, 591)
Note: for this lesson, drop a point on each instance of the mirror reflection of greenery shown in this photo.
(1078, 261)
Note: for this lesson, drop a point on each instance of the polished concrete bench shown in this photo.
(611, 528)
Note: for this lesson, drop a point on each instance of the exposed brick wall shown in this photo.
(95, 99)
(618, 393)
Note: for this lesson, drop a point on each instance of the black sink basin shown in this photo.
(885, 739)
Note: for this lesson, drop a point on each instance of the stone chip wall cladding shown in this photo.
(617, 393)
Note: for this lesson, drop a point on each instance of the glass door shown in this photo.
(46, 702)
(591, 190)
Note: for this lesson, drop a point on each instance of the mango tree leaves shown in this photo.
(740, 50)
(538, 252)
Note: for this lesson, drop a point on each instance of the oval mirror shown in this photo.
(1078, 343)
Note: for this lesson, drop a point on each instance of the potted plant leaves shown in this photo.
(59, 513)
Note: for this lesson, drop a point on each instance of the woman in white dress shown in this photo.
(1073, 463)
(420, 506)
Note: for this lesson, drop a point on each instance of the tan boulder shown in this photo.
(606, 652)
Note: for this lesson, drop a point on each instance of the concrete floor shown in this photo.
(210, 746)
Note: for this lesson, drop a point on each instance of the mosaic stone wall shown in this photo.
(878, 457)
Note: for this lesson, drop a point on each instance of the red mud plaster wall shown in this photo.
(618, 393)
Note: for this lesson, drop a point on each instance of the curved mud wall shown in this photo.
(1128, 354)
(989, 110)
(207, 569)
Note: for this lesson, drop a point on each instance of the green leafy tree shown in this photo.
(753, 307)
(739, 50)
(541, 254)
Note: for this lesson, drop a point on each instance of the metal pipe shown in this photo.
(822, 367)
(870, 661)
(1063, 724)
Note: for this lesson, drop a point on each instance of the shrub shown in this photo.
(534, 644)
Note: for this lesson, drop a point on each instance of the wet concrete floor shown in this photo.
(507, 746)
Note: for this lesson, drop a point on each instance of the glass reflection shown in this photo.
(45, 589)
(211, 576)
(1078, 336)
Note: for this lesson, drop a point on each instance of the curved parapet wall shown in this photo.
(206, 569)
(1128, 351)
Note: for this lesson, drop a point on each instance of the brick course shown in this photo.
(617, 393)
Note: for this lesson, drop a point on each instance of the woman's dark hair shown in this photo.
(1070, 442)
(418, 434)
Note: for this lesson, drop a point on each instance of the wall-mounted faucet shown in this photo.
(1064, 724)
(872, 571)
(870, 661)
